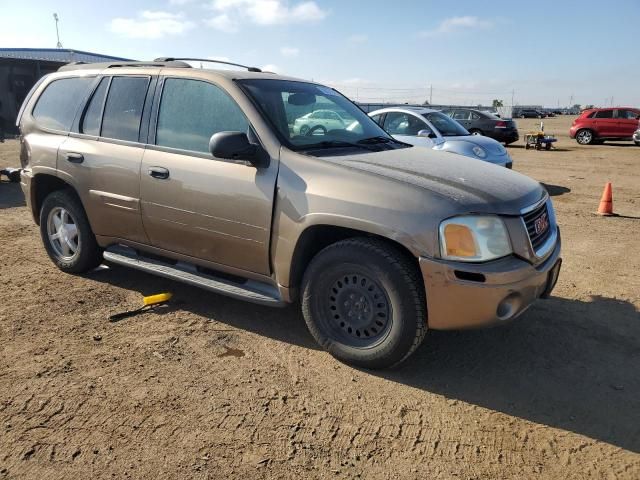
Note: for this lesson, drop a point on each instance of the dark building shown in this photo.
(20, 69)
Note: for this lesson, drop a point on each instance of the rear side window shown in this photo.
(604, 114)
(123, 110)
(191, 111)
(93, 115)
(57, 106)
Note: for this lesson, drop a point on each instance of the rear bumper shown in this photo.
(505, 136)
(461, 295)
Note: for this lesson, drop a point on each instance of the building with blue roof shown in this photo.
(21, 68)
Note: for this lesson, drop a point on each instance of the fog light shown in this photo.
(509, 306)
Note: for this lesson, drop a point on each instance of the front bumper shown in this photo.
(463, 295)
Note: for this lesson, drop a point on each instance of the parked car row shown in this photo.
(219, 180)
(429, 128)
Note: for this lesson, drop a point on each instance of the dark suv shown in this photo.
(478, 122)
(528, 113)
(599, 124)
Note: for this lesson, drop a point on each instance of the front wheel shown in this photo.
(585, 137)
(637, 143)
(364, 302)
(66, 233)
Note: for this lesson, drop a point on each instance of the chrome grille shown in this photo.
(536, 217)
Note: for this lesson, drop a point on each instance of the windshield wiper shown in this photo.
(336, 144)
(376, 139)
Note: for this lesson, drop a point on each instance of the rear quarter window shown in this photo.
(57, 106)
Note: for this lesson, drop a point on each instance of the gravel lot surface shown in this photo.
(211, 387)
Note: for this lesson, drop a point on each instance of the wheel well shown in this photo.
(316, 238)
(41, 186)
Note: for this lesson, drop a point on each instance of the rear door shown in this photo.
(627, 121)
(102, 156)
(194, 204)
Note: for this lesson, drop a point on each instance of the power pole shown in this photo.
(55, 17)
(431, 94)
(513, 92)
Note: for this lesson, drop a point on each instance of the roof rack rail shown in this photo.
(101, 65)
(175, 59)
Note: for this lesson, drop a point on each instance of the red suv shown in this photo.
(599, 124)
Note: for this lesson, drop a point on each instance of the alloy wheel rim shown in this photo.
(585, 136)
(62, 231)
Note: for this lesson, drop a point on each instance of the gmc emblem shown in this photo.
(541, 223)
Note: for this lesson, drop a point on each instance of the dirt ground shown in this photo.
(216, 388)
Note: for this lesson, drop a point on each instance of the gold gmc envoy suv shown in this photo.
(199, 175)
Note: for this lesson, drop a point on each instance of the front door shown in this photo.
(102, 159)
(197, 205)
(405, 127)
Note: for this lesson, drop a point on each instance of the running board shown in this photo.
(250, 291)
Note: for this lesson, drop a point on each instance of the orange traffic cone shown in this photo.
(606, 202)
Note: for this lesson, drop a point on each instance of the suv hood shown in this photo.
(475, 185)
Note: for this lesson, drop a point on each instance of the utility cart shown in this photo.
(539, 140)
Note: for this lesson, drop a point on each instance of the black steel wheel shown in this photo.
(363, 301)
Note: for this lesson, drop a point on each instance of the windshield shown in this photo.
(445, 125)
(308, 116)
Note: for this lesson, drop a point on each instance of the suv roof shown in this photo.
(182, 65)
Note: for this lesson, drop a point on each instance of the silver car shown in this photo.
(425, 127)
(319, 122)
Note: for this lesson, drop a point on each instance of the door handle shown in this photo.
(159, 172)
(74, 157)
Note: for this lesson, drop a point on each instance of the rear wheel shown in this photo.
(585, 137)
(475, 131)
(66, 233)
(364, 302)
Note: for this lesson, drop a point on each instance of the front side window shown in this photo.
(191, 111)
(400, 123)
(57, 106)
(461, 115)
(445, 125)
(123, 110)
(287, 105)
(628, 114)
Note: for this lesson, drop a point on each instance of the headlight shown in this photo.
(479, 152)
(474, 238)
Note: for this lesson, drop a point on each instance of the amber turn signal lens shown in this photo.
(459, 241)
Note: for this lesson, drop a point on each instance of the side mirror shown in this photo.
(426, 132)
(236, 146)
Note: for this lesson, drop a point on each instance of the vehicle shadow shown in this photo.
(568, 364)
(282, 324)
(11, 195)
(555, 190)
(617, 144)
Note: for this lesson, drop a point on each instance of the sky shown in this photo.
(551, 53)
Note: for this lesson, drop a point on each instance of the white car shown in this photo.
(319, 122)
(425, 127)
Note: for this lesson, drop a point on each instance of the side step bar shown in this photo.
(251, 290)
